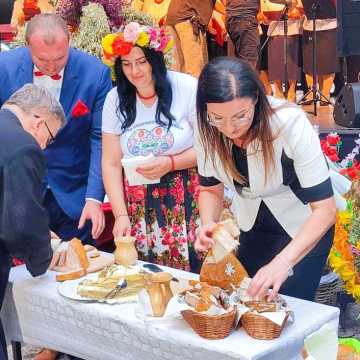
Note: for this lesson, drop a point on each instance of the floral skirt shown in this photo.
(164, 218)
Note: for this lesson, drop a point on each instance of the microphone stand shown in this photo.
(317, 95)
(285, 18)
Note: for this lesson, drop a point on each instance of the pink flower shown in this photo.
(153, 34)
(131, 32)
(155, 193)
(163, 43)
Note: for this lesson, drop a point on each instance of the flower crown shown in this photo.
(134, 34)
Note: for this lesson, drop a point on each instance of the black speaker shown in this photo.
(348, 30)
(347, 106)
(6, 9)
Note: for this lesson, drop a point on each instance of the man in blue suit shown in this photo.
(73, 190)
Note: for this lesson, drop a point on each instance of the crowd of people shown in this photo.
(206, 125)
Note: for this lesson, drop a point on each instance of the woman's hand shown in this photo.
(156, 168)
(204, 239)
(269, 276)
(122, 226)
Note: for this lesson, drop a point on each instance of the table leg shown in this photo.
(16, 349)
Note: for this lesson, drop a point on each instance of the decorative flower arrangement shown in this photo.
(344, 256)
(93, 27)
(349, 166)
(330, 146)
(71, 11)
(30, 9)
(134, 34)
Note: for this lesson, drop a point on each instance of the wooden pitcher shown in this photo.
(158, 288)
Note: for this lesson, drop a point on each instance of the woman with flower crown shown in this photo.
(151, 111)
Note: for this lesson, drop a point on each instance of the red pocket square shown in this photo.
(80, 109)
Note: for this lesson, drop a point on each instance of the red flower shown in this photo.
(332, 154)
(352, 173)
(333, 139)
(334, 158)
(175, 253)
(168, 239)
(80, 109)
(163, 192)
(139, 193)
(121, 47)
(155, 193)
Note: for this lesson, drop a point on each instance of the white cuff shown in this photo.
(91, 199)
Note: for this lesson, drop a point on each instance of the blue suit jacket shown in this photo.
(74, 159)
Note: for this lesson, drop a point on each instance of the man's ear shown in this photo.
(36, 123)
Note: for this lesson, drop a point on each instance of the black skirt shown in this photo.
(276, 58)
(327, 60)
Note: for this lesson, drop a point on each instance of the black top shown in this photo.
(24, 230)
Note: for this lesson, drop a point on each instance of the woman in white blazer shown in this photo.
(267, 152)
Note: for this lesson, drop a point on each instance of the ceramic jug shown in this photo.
(158, 288)
(125, 252)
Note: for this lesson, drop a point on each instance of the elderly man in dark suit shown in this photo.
(29, 121)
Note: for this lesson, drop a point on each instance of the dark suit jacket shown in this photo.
(24, 230)
(74, 159)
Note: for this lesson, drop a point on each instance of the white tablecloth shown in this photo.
(35, 312)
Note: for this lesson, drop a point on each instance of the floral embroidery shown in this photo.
(157, 141)
(164, 219)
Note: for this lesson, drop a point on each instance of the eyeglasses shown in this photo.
(220, 122)
(51, 139)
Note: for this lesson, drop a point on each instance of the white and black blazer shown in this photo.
(300, 175)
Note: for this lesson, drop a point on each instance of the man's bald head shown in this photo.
(50, 26)
(47, 37)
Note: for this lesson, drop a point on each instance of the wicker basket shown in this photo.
(209, 326)
(259, 327)
(327, 292)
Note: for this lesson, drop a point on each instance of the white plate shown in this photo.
(68, 288)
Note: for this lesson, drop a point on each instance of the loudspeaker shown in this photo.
(347, 106)
(6, 7)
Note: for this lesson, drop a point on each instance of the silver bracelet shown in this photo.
(290, 269)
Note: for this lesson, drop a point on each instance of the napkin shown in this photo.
(323, 343)
(131, 164)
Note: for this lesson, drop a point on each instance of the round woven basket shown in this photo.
(261, 328)
(327, 293)
(210, 326)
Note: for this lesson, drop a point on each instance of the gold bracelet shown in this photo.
(120, 215)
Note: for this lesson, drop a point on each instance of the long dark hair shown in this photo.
(225, 79)
(127, 91)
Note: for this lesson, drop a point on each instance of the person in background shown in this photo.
(156, 8)
(242, 27)
(73, 189)
(216, 32)
(151, 112)
(24, 10)
(29, 122)
(266, 151)
(327, 60)
(276, 50)
(187, 21)
(263, 55)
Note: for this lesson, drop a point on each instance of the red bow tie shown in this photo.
(54, 77)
